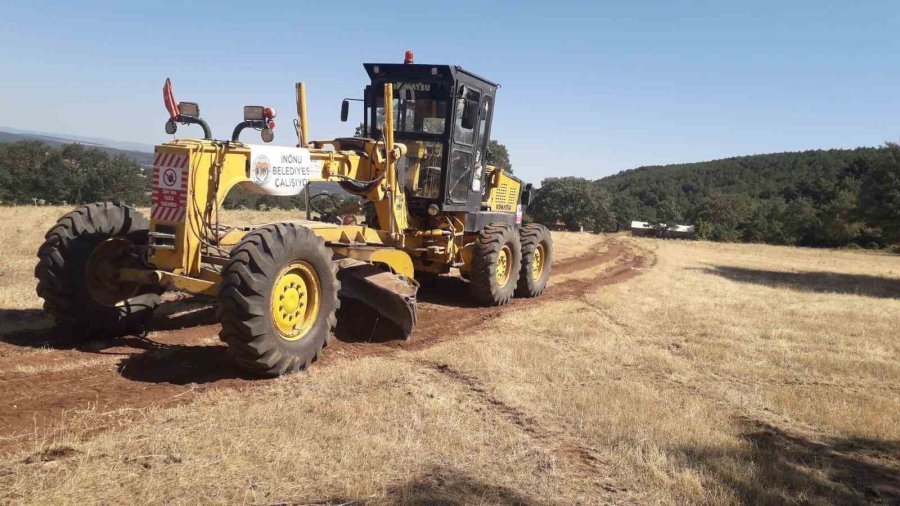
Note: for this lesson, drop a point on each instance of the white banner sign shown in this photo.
(279, 170)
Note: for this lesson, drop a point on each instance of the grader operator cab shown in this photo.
(442, 114)
(434, 205)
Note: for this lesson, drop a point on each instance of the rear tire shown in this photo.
(278, 299)
(62, 267)
(537, 256)
(496, 262)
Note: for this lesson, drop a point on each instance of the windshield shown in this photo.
(418, 108)
(423, 168)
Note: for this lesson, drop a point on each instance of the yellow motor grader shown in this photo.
(435, 204)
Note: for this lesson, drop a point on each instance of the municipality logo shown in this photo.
(261, 168)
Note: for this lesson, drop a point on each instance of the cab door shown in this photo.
(482, 137)
(465, 153)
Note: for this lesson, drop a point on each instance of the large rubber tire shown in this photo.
(62, 266)
(537, 248)
(484, 284)
(246, 310)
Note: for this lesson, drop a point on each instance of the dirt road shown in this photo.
(45, 376)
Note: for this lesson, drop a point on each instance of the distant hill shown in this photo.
(84, 139)
(812, 198)
(144, 158)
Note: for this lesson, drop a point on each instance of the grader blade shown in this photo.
(384, 295)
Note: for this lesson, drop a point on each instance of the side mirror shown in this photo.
(470, 112)
(345, 109)
(527, 195)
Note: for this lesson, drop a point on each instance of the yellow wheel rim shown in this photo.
(504, 264)
(537, 264)
(295, 300)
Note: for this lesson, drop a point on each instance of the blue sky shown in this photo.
(587, 88)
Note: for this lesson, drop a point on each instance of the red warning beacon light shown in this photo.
(408, 57)
(269, 113)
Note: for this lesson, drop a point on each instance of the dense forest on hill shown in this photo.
(811, 198)
(35, 172)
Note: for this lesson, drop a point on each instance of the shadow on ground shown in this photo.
(33, 328)
(25, 327)
(790, 468)
(825, 282)
(143, 358)
(449, 291)
(445, 487)
(181, 365)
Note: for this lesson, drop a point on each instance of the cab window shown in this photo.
(419, 108)
(460, 175)
(461, 134)
(423, 168)
(481, 144)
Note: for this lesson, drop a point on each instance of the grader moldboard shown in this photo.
(434, 204)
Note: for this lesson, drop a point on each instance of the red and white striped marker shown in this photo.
(169, 195)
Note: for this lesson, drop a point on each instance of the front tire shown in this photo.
(278, 299)
(496, 262)
(71, 292)
(537, 256)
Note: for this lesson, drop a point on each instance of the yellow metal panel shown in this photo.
(350, 234)
(465, 255)
(396, 259)
(504, 192)
(301, 113)
(192, 285)
(169, 280)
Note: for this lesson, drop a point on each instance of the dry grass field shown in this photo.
(650, 372)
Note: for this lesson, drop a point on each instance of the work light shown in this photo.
(189, 109)
(254, 112)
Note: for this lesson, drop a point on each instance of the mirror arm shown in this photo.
(250, 123)
(345, 107)
(185, 120)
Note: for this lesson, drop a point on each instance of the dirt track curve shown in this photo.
(45, 375)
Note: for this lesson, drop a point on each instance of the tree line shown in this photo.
(812, 198)
(35, 172)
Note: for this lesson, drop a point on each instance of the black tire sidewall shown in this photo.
(483, 275)
(533, 235)
(246, 295)
(73, 238)
(320, 331)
